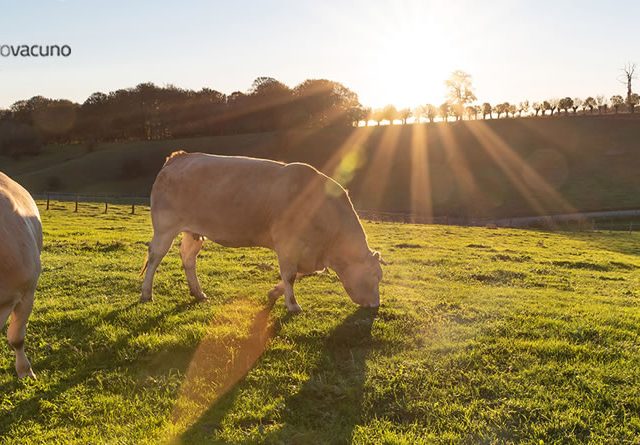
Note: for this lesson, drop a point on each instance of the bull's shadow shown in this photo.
(328, 406)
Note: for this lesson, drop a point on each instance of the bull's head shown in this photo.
(361, 280)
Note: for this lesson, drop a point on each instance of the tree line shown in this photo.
(148, 112)
(460, 104)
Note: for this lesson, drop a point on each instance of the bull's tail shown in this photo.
(145, 265)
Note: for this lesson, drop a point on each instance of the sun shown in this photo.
(408, 58)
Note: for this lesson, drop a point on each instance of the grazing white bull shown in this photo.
(20, 246)
(306, 217)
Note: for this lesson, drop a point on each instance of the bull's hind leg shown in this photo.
(158, 248)
(189, 248)
(17, 332)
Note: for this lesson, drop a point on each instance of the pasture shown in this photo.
(483, 336)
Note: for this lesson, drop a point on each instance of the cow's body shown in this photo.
(300, 213)
(20, 246)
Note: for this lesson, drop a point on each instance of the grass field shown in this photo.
(483, 336)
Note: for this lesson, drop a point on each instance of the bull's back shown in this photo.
(20, 237)
(225, 198)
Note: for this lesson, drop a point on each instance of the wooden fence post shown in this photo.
(47, 201)
(106, 206)
(76, 208)
(133, 209)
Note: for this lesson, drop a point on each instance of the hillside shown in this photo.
(503, 167)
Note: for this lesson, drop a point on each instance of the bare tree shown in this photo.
(628, 75)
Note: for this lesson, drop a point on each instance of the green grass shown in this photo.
(484, 336)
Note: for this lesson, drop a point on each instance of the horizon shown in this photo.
(384, 52)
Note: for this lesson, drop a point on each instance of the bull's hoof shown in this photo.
(294, 308)
(274, 293)
(146, 299)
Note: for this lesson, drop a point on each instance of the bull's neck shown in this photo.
(349, 246)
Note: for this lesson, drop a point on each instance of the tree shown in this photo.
(459, 92)
(628, 74)
(565, 103)
(444, 110)
(537, 107)
(633, 100)
(390, 113)
(553, 104)
(523, 107)
(602, 103)
(577, 103)
(546, 105)
(502, 108)
(404, 114)
(616, 101)
(418, 114)
(367, 111)
(430, 111)
(324, 102)
(487, 109)
(590, 103)
(377, 116)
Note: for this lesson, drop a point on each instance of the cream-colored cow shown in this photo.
(20, 246)
(306, 217)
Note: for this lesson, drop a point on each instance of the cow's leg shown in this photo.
(189, 248)
(288, 274)
(278, 289)
(17, 331)
(158, 248)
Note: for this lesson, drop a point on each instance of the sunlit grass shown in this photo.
(483, 336)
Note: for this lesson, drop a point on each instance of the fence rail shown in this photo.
(627, 219)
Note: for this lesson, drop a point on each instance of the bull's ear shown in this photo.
(378, 256)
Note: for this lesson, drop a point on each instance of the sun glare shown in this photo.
(412, 51)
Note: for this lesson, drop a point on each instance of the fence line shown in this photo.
(583, 220)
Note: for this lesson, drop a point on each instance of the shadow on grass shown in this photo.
(79, 368)
(326, 408)
(217, 365)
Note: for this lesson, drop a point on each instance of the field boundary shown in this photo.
(593, 220)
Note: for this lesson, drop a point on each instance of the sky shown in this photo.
(394, 51)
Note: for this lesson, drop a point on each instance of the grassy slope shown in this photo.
(466, 168)
(484, 335)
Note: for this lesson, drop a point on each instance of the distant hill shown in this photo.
(503, 167)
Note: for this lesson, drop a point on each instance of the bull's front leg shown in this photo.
(288, 272)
